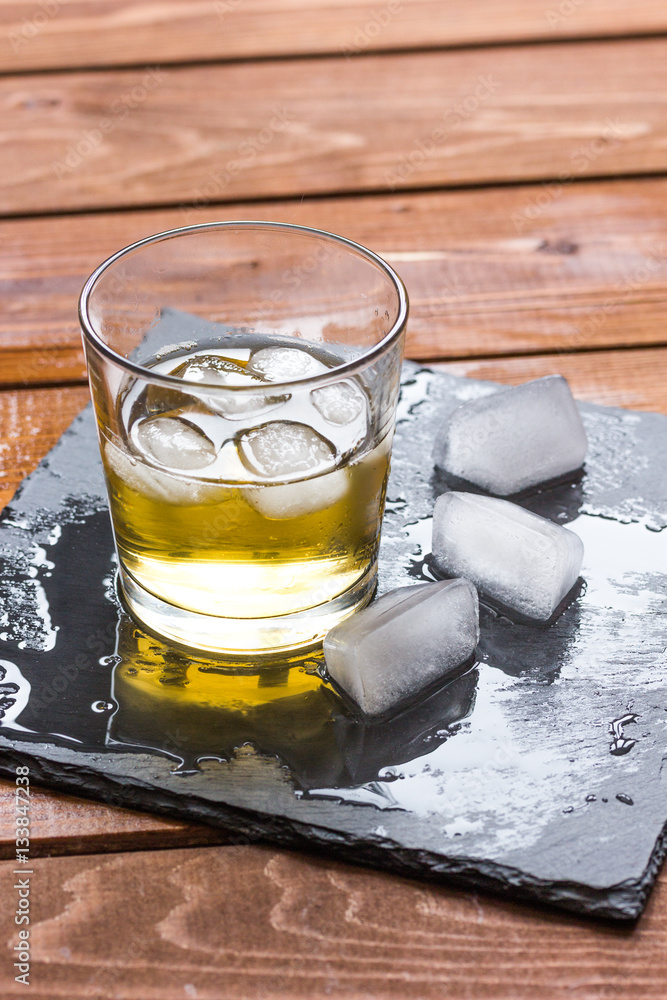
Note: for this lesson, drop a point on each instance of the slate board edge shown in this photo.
(624, 902)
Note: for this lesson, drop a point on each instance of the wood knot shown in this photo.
(560, 246)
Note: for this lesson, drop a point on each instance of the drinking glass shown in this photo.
(245, 378)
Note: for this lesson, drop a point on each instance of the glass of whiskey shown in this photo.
(245, 377)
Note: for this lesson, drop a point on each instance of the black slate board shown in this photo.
(536, 774)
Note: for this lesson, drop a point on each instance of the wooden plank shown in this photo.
(634, 379)
(31, 421)
(51, 34)
(63, 824)
(247, 922)
(53, 363)
(320, 126)
(489, 272)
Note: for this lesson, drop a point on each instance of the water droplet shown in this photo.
(312, 667)
(591, 798)
(568, 809)
(625, 799)
(389, 774)
(621, 744)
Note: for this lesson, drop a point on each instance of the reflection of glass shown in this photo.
(192, 709)
(246, 436)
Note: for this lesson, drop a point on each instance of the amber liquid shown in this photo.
(243, 547)
(221, 556)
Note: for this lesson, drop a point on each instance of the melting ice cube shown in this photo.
(281, 449)
(158, 485)
(287, 450)
(240, 405)
(284, 364)
(403, 642)
(515, 438)
(340, 403)
(212, 369)
(288, 500)
(521, 560)
(171, 442)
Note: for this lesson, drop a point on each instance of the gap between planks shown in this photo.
(283, 129)
(104, 33)
(489, 272)
(249, 921)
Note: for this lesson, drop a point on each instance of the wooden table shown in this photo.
(509, 157)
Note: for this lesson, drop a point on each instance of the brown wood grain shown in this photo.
(244, 923)
(64, 824)
(633, 379)
(189, 134)
(31, 421)
(489, 272)
(61, 34)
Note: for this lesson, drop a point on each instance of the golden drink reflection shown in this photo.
(191, 708)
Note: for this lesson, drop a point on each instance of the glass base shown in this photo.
(243, 636)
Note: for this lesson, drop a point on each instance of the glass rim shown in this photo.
(332, 374)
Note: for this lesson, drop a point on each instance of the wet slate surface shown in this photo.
(539, 773)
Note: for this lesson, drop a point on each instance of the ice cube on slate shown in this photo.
(514, 439)
(521, 560)
(403, 642)
(283, 364)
